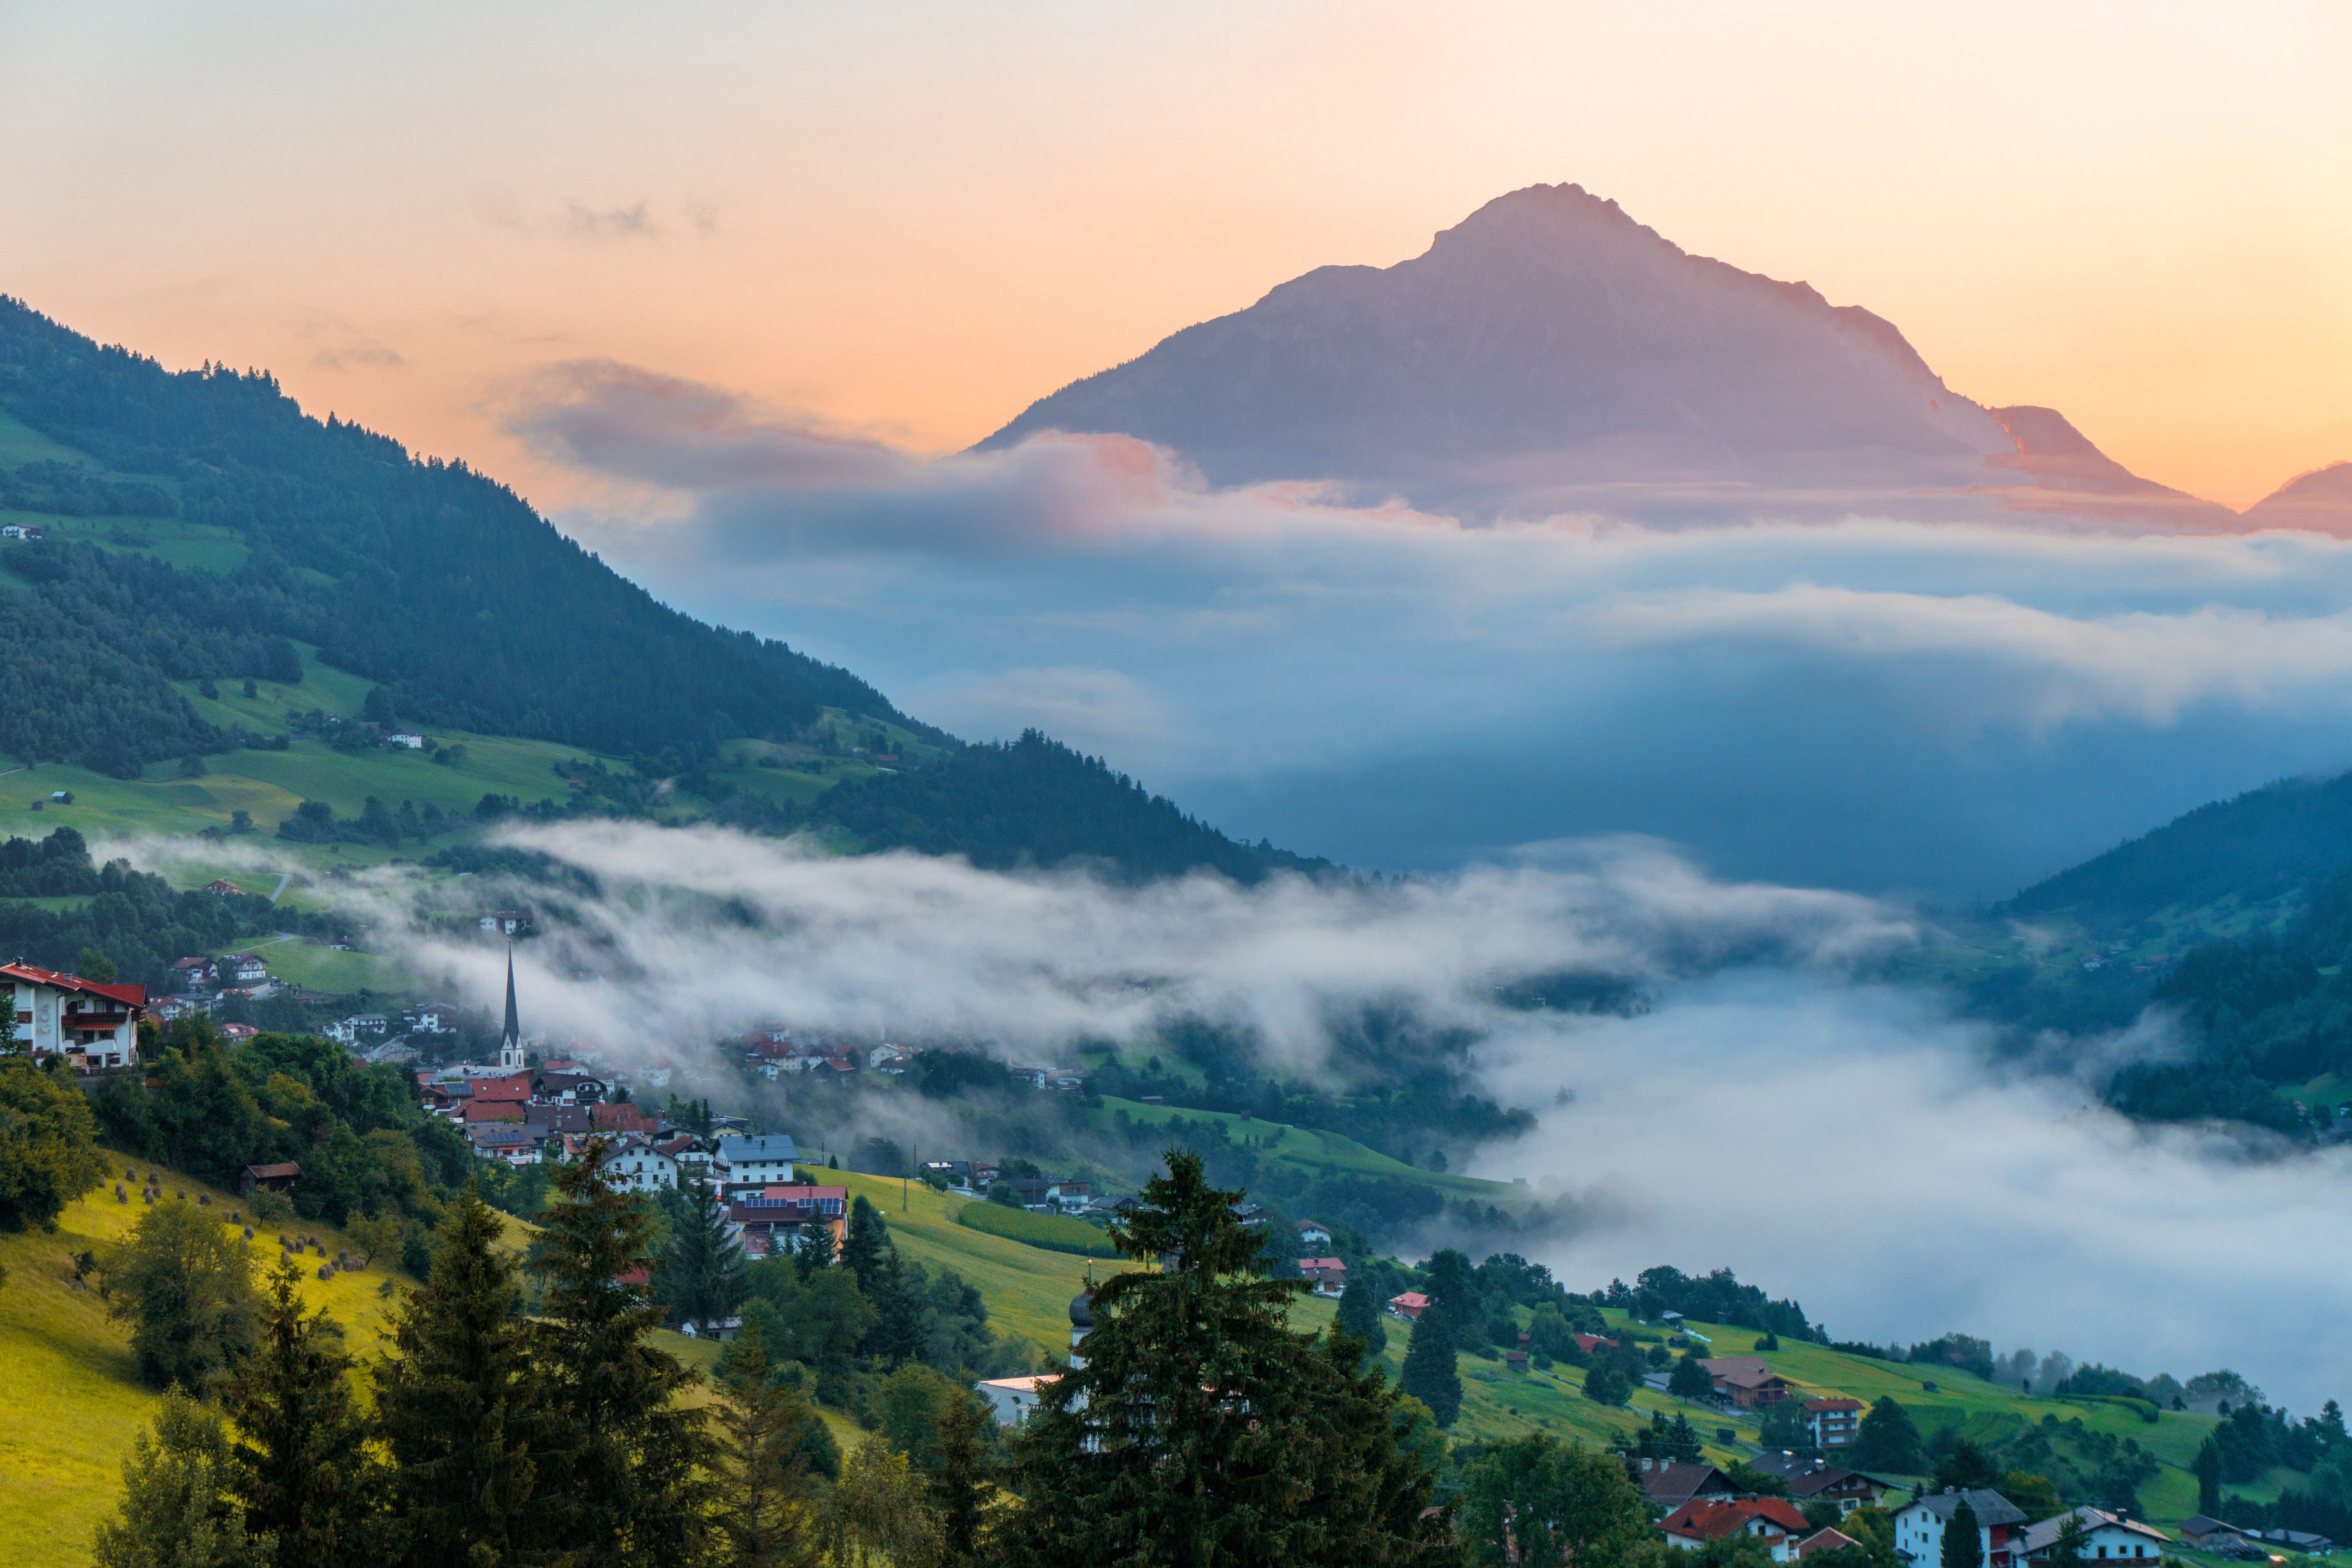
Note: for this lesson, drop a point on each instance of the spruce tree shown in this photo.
(1361, 1316)
(703, 1277)
(762, 1510)
(1430, 1373)
(1201, 1431)
(2207, 1465)
(963, 1484)
(1963, 1546)
(458, 1405)
(815, 1249)
(302, 1471)
(625, 1476)
(868, 1247)
(176, 1511)
(1452, 1292)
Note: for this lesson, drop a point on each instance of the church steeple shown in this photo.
(510, 1053)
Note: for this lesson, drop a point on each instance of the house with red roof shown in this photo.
(1773, 1521)
(1834, 1423)
(92, 1025)
(1329, 1274)
(1409, 1306)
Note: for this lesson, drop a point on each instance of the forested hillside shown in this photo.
(2260, 844)
(424, 576)
(241, 527)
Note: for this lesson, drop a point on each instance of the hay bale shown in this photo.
(249, 1232)
(326, 1271)
(203, 1200)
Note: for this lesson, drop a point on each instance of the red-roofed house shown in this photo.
(1587, 1343)
(1409, 1306)
(514, 1090)
(1773, 1521)
(64, 1015)
(623, 1118)
(481, 1110)
(1330, 1274)
(1825, 1540)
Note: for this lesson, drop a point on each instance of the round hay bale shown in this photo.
(203, 1200)
(326, 1271)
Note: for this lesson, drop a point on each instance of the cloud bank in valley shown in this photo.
(1956, 707)
(1854, 1146)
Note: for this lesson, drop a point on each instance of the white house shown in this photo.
(635, 1165)
(246, 969)
(1311, 1234)
(348, 1032)
(767, 1159)
(67, 1016)
(1014, 1398)
(2000, 1527)
(2104, 1535)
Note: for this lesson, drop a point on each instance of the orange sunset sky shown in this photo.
(913, 219)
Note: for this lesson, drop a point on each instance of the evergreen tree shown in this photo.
(1201, 1431)
(301, 1469)
(1887, 1442)
(962, 1486)
(1430, 1373)
(815, 1249)
(1359, 1314)
(1452, 1292)
(458, 1406)
(1684, 1445)
(1963, 1545)
(868, 1247)
(762, 1510)
(624, 1479)
(176, 1511)
(1689, 1380)
(702, 1277)
(2207, 1465)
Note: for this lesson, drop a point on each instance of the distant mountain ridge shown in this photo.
(1549, 354)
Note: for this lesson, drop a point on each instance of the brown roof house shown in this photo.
(277, 1178)
(1746, 1381)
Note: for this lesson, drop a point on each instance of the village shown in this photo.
(521, 1110)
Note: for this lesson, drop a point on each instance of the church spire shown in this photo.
(510, 1054)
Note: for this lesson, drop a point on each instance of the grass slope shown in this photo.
(61, 1354)
(1326, 1153)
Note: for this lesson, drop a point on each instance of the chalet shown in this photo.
(1919, 1527)
(172, 1009)
(1013, 1399)
(2104, 1535)
(566, 1088)
(1833, 1422)
(513, 1141)
(1669, 1485)
(767, 1159)
(1772, 1520)
(436, 1018)
(623, 1118)
(514, 1089)
(1811, 1479)
(349, 1031)
(1310, 1234)
(20, 531)
(244, 969)
(636, 1166)
(1827, 1539)
(1409, 1306)
(222, 887)
(192, 971)
(90, 1025)
(408, 740)
(692, 1153)
(772, 1220)
(278, 1178)
(2203, 1533)
(239, 1031)
(1746, 1381)
(552, 1121)
(1330, 1274)
(480, 1110)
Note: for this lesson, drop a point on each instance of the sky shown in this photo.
(909, 220)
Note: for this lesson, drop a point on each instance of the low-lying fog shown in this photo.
(1844, 1142)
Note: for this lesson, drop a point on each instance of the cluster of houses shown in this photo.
(774, 1051)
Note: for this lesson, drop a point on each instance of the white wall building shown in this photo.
(767, 1159)
(64, 1015)
(635, 1166)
